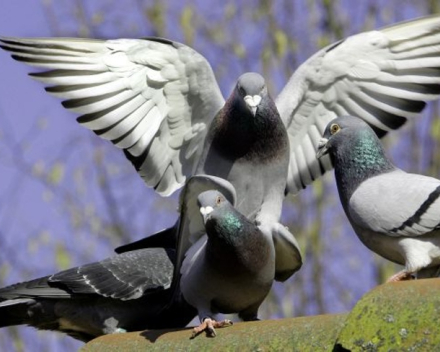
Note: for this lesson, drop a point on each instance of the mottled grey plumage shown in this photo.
(218, 268)
(232, 270)
(126, 292)
(394, 213)
(247, 137)
(247, 144)
(159, 101)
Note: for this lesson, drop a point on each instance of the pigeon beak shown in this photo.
(205, 211)
(252, 102)
(322, 148)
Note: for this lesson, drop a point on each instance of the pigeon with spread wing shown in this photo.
(159, 101)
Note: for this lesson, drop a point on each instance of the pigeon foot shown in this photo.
(209, 326)
(401, 276)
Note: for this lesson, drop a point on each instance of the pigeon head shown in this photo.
(346, 135)
(248, 127)
(251, 88)
(355, 151)
(210, 201)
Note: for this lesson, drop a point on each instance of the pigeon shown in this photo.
(156, 98)
(126, 292)
(231, 271)
(142, 287)
(159, 101)
(225, 263)
(394, 213)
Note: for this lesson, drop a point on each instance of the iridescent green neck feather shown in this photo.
(358, 158)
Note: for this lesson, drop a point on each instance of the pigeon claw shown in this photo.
(401, 276)
(209, 326)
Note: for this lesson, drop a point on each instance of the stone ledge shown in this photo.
(395, 317)
(391, 317)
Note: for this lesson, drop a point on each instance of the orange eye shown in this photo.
(218, 200)
(334, 128)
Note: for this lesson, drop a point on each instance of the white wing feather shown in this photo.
(153, 98)
(384, 77)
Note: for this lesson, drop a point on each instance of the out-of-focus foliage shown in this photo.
(92, 200)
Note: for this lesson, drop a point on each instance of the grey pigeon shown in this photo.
(159, 101)
(232, 270)
(394, 213)
(225, 263)
(126, 292)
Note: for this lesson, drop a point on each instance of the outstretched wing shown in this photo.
(384, 77)
(150, 97)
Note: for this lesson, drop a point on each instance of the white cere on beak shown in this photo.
(205, 211)
(322, 142)
(252, 102)
(322, 147)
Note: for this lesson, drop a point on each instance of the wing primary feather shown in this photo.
(81, 102)
(84, 46)
(334, 45)
(160, 40)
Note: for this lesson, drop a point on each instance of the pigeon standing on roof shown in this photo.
(225, 263)
(126, 292)
(159, 101)
(230, 272)
(394, 213)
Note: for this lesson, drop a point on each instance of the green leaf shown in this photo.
(62, 257)
(56, 174)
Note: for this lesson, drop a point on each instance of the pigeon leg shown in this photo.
(209, 326)
(401, 276)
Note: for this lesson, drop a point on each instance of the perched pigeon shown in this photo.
(159, 101)
(394, 213)
(134, 290)
(126, 292)
(225, 262)
(230, 272)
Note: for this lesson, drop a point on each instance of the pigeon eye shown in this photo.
(334, 128)
(218, 200)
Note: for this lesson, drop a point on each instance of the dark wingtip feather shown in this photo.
(20, 58)
(4, 47)
(8, 41)
(159, 40)
(335, 45)
(78, 102)
(137, 161)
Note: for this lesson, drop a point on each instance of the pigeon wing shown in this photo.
(397, 204)
(166, 238)
(30, 289)
(384, 77)
(150, 97)
(287, 253)
(126, 276)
